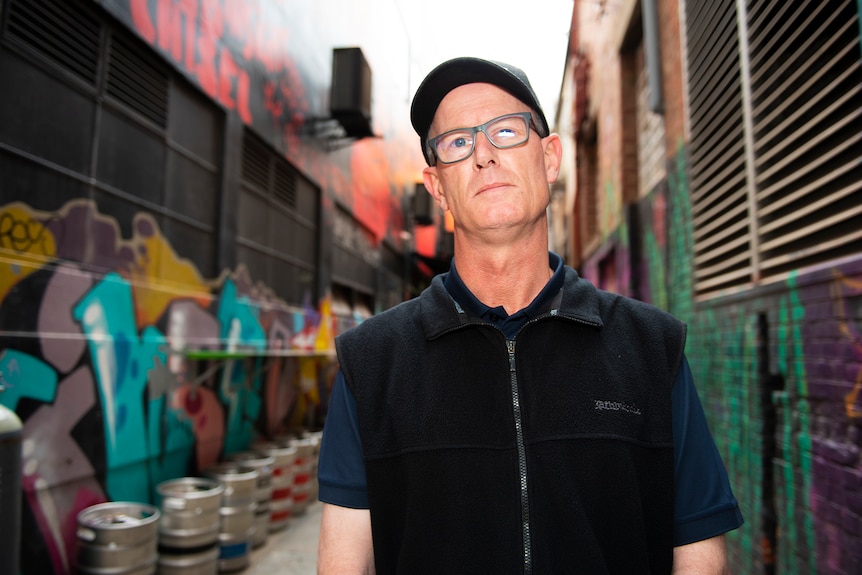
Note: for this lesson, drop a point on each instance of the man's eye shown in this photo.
(456, 141)
(506, 133)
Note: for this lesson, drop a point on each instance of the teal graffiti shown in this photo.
(170, 434)
(718, 344)
(122, 361)
(240, 387)
(796, 440)
(656, 270)
(680, 276)
(25, 376)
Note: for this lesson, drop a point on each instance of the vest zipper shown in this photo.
(522, 460)
(519, 429)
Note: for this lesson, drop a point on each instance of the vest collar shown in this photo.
(440, 313)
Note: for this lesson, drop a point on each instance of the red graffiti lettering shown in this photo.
(170, 34)
(211, 19)
(271, 102)
(142, 21)
(189, 10)
(240, 18)
(206, 66)
(228, 72)
(243, 87)
(262, 32)
(214, 41)
(210, 29)
(171, 15)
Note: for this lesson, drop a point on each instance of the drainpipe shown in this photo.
(652, 48)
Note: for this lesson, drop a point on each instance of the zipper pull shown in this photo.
(510, 344)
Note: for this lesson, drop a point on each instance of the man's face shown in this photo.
(493, 189)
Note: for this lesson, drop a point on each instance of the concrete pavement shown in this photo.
(291, 551)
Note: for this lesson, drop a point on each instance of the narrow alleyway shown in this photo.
(291, 551)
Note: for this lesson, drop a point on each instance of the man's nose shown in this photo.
(484, 152)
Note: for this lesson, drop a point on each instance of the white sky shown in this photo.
(529, 34)
(403, 40)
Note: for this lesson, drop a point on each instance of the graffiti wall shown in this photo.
(152, 153)
(97, 352)
(779, 371)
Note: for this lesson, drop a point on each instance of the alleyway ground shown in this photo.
(291, 551)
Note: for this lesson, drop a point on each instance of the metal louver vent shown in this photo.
(285, 183)
(271, 174)
(138, 81)
(807, 116)
(64, 32)
(776, 177)
(722, 232)
(255, 161)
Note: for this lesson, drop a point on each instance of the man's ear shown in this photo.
(553, 149)
(432, 184)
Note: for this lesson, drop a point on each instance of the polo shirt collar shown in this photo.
(497, 315)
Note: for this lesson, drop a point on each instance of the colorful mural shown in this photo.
(127, 364)
(97, 351)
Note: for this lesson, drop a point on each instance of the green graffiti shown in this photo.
(609, 209)
(656, 270)
(721, 343)
(680, 240)
(796, 435)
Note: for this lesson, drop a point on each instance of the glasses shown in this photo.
(504, 132)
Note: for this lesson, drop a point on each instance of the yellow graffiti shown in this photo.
(159, 276)
(25, 245)
(324, 340)
(844, 319)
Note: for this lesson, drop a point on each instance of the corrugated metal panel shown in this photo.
(807, 100)
(718, 186)
(777, 185)
(267, 172)
(285, 184)
(255, 162)
(64, 32)
(138, 80)
(277, 241)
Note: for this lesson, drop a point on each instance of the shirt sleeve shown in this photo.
(341, 468)
(705, 505)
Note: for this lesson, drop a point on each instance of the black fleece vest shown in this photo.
(586, 486)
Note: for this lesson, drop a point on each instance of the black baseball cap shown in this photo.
(459, 71)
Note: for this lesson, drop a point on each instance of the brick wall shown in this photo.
(778, 367)
(791, 351)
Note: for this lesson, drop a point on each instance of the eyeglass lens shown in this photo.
(503, 132)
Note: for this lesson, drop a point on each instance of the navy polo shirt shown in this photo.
(704, 503)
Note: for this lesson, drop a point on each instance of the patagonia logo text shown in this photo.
(617, 406)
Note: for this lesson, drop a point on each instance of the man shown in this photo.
(514, 419)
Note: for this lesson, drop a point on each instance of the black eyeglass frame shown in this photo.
(432, 142)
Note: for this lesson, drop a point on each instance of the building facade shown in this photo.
(195, 198)
(714, 171)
